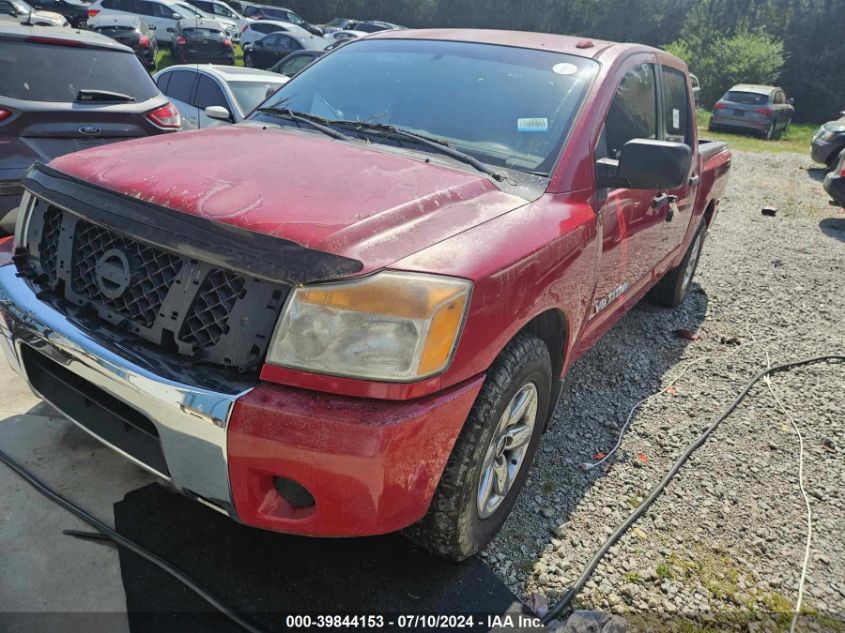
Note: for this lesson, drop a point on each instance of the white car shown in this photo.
(228, 25)
(252, 30)
(335, 37)
(161, 14)
(19, 12)
(217, 9)
(208, 95)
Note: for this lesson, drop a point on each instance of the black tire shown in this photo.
(80, 23)
(673, 289)
(769, 134)
(248, 60)
(453, 527)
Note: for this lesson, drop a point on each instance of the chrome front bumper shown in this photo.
(190, 407)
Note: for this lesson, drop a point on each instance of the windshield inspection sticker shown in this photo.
(537, 124)
(565, 68)
(676, 118)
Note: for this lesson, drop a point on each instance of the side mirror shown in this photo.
(791, 101)
(218, 112)
(175, 16)
(646, 164)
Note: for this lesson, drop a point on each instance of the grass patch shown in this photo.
(664, 572)
(632, 576)
(796, 139)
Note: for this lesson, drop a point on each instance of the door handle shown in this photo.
(660, 201)
(664, 199)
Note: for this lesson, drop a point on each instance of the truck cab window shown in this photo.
(676, 110)
(633, 113)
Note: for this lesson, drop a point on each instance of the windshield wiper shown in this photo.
(318, 123)
(85, 95)
(435, 143)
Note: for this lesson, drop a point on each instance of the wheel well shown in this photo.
(550, 327)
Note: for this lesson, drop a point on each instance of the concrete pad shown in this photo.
(44, 571)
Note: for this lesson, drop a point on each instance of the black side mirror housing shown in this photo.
(646, 164)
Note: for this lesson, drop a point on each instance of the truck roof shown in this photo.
(582, 46)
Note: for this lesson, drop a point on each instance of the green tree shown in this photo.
(745, 57)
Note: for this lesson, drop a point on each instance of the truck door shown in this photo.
(631, 222)
(676, 124)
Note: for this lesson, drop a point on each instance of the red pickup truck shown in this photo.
(351, 313)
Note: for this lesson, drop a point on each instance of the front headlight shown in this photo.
(829, 131)
(392, 326)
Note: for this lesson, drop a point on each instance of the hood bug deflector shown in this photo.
(263, 256)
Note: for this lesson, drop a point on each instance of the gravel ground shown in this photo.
(723, 547)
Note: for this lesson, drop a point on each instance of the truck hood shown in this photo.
(345, 198)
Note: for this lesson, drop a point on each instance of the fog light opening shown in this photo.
(292, 492)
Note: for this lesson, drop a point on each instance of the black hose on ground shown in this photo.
(563, 605)
(132, 546)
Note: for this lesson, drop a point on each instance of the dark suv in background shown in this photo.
(62, 91)
(202, 41)
(131, 31)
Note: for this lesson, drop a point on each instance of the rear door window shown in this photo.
(181, 85)
(676, 111)
(29, 72)
(162, 81)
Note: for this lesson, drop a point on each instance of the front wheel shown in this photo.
(673, 289)
(492, 455)
(248, 60)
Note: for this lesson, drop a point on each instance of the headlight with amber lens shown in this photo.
(392, 326)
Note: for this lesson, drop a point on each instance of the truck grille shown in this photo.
(207, 320)
(179, 304)
(154, 272)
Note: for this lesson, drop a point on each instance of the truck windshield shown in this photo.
(506, 106)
